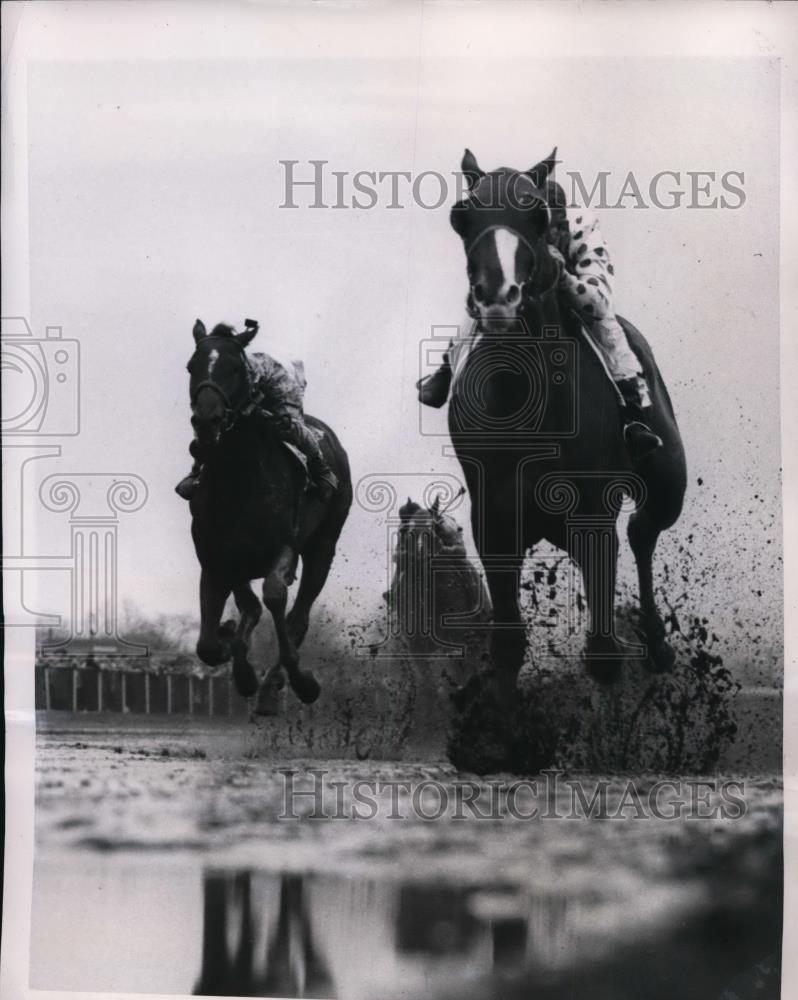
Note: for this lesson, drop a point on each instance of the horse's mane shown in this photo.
(223, 330)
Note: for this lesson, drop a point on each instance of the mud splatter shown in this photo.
(674, 723)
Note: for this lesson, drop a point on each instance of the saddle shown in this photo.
(299, 458)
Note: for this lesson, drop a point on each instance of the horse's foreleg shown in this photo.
(249, 608)
(212, 648)
(275, 598)
(508, 631)
(316, 561)
(643, 534)
(596, 554)
(500, 552)
(508, 636)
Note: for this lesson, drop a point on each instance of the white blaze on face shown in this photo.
(506, 249)
(214, 357)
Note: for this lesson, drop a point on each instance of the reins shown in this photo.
(250, 404)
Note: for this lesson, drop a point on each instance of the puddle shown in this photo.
(210, 930)
(221, 874)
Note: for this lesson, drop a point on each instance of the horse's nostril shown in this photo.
(513, 295)
(479, 292)
(207, 426)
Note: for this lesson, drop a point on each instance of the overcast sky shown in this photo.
(155, 188)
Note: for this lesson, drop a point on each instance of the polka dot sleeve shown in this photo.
(589, 274)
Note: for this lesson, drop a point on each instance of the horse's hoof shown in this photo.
(604, 672)
(601, 658)
(245, 680)
(661, 658)
(306, 687)
(270, 701)
(213, 653)
(244, 676)
(271, 693)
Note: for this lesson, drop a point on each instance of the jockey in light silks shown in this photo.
(282, 387)
(586, 280)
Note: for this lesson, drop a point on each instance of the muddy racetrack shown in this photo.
(182, 840)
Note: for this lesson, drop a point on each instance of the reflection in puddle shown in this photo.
(257, 939)
(301, 936)
(253, 933)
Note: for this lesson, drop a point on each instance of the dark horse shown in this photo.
(252, 517)
(536, 425)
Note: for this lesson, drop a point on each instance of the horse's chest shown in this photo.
(518, 387)
(241, 537)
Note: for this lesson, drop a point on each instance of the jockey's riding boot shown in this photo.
(188, 485)
(433, 390)
(640, 440)
(321, 475)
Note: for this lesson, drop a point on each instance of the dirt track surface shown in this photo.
(208, 798)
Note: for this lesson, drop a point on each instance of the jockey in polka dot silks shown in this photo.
(586, 281)
(281, 386)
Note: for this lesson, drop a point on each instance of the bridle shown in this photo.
(528, 293)
(250, 403)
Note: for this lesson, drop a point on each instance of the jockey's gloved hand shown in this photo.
(556, 255)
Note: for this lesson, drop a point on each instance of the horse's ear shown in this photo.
(248, 335)
(199, 331)
(458, 217)
(471, 169)
(436, 506)
(540, 172)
